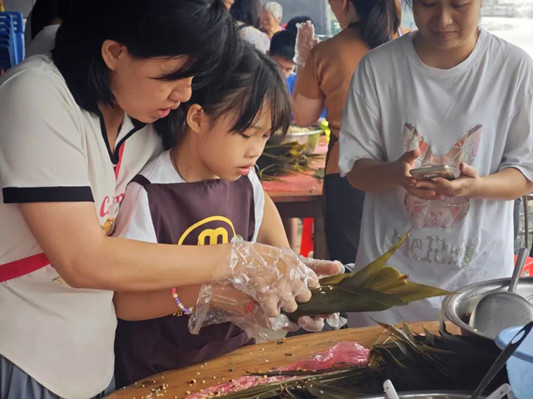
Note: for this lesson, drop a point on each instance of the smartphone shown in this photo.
(430, 172)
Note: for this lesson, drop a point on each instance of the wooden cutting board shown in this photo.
(255, 358)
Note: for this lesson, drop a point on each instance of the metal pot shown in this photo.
(458, 307)
(427, 395)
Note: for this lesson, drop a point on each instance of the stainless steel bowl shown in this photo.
(458, 307)
(427, 395)
(307, 137)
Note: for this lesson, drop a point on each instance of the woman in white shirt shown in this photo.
(76, 128)
(449, 93)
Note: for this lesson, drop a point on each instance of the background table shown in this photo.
(255, 358)
(299, 195)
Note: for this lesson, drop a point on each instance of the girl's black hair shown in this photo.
(200, 29)
(247, 11)
(254, 82)
(378, 20)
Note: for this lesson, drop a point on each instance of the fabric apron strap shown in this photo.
(22, 267)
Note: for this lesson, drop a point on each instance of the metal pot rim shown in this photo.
(450, 301)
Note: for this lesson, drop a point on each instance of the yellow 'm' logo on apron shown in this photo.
(210, 235)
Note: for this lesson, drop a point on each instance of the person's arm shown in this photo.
(71, 237)
(85, 258)
(306, 111)
(308, 99)
(374, 176)
(271, 231)
(507, 184)
(134, 306)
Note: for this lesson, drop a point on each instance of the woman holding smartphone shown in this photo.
(448, 94)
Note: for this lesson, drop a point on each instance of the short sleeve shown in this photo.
(360, 134)
(307, 80)
(518, 151)
(41, 147)
(134, 219)
(259, 202)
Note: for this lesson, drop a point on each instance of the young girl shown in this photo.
(201, 192)
(449, 93)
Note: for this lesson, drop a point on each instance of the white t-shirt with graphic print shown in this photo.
(52, 150)
(479, 112)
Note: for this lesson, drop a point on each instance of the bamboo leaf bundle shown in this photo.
(281, 159)
(413, 362)
(375, 287)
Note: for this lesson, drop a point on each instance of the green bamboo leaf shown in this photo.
(376, 287)
(365, 274)
(413, 291)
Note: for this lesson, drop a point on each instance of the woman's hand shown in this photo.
(274, 277)
(305, 42)
(464, 186)
(403, 166)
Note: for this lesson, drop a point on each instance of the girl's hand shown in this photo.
(323, 268)
(274, 277)
(305, 42)
(464, 186)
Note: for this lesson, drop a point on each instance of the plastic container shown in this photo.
(307, 136)
(520, 364)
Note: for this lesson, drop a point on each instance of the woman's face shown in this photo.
(139, 92)
(447, 24)
(268, 22)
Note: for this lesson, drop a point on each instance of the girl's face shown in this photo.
(140, 94)
(268, 22)
(229, 155)
(447, 24)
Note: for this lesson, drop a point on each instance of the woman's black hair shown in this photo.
(291, 25)
(378, 20)
(247, 11)
(47, 12)
(201, 29)
(254, 82)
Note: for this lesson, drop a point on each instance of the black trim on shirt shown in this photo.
(136, 127)
(113, 156)
(20, 195)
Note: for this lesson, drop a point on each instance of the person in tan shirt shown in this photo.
(323, 78)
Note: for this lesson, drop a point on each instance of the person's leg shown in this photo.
(16, 384)
(343, 214)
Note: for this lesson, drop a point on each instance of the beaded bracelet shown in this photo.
(186, 311)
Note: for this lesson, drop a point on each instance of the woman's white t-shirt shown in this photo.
(479, 112)
(52, 150)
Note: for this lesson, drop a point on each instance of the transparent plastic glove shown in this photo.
(223, 303)
(305, 42)
(274, 277)
(323, 268)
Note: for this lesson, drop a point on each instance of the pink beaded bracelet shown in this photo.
(186, 311)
